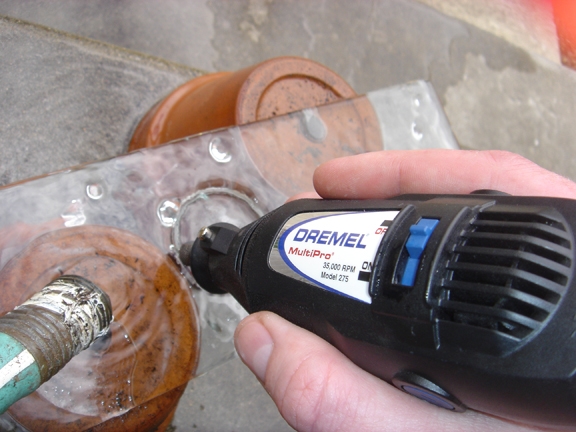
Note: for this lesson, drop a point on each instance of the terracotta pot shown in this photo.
(271, 88)
(133, 379)
(264, 91)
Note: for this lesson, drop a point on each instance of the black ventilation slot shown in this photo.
(530, 246)
(507, 273)
(525, 260)
(499, 319)
(540, 215)
(526, 229)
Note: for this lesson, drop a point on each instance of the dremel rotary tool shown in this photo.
(465, 301)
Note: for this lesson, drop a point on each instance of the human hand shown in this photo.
(315, 387)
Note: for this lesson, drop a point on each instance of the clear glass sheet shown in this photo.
(121, 221)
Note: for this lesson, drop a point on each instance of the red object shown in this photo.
(565, 19)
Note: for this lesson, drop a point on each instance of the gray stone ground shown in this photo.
(65, 100)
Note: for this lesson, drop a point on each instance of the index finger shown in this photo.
(389, 173)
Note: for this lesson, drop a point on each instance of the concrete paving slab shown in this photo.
(67, 101)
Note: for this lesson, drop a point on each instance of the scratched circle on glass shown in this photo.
(210, 209)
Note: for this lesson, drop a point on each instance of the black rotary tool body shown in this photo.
(460, 300)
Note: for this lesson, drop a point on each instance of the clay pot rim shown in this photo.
(278, 68)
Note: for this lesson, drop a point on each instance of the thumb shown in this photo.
(316, 388)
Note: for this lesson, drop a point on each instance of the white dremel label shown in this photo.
(335, 251)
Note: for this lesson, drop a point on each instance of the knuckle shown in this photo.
(508, 159)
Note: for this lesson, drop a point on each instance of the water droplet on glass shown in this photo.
(168, 212)
(215, 326)
(74, 215)
(416, 101)
(94, 191)
(222, 319)
(416, 132)
(220, 150)
(313, 127)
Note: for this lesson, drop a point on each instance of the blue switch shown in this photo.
(419, 235)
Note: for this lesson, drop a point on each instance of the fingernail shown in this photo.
(254, 345)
